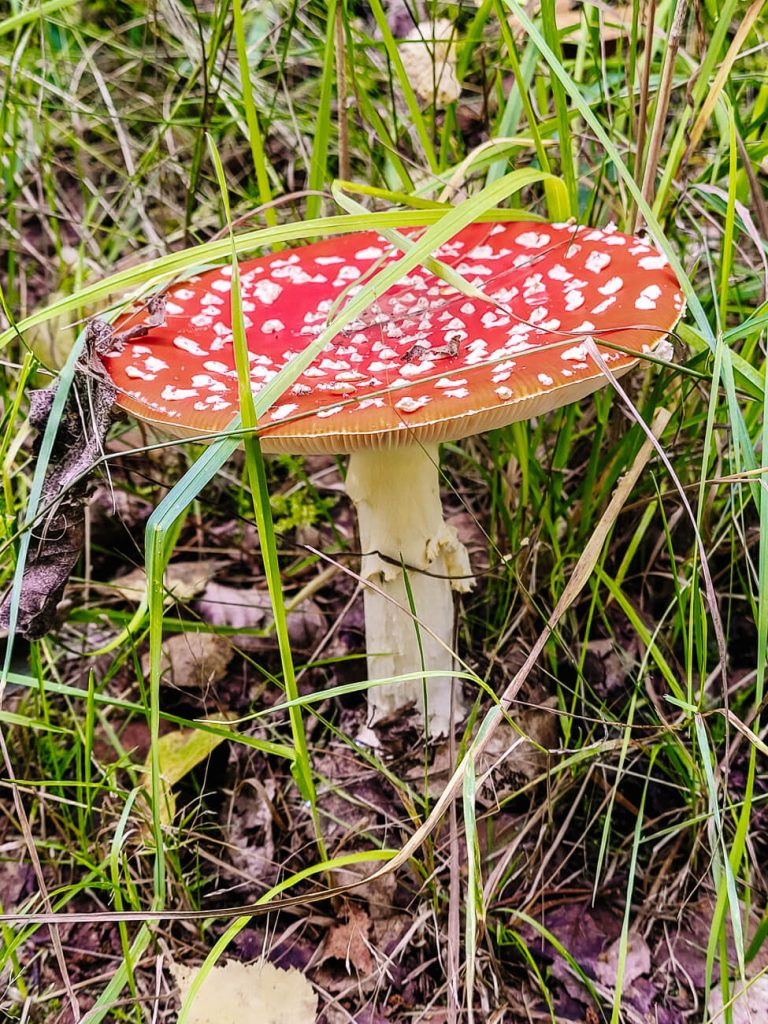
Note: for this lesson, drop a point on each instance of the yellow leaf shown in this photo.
(179, 752)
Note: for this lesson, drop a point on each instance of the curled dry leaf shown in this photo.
(238, 993)
(193, 660)
(182, 580)
(429, 59)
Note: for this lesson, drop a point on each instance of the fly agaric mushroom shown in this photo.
(425, 364)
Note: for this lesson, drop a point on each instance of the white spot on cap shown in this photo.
(347, 273)
(272, 326)
(449, 382)
(545, 379)
(267, 291)
(283, 410)
(331, 411)
(182, 293)
(134, 371)
(648, 296)
(335, 364)
(297, 276)
(575, 355)
(221, 285)
(189, 345)
(615, 284)
(504, 393)
(532, 240)
(574, 300)
(457, 393)
(492, 319)
(653, 262)
(173, 394)
(216, 367)
(154, 365)
(370, 253)
(597, 261)
(559, 273)
(416, 369)
(174, 308)
(327, 261)
(602, 306)
(409, 404)
(201, 320)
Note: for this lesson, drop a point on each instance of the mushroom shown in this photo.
(425, 364)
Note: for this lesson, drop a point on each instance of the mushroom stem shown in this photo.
(397, 496)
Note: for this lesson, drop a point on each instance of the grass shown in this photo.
(137, 145)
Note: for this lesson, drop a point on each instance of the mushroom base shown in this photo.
(404, 537)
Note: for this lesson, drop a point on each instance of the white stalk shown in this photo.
(397, 495)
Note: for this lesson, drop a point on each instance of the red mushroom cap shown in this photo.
(425, 362)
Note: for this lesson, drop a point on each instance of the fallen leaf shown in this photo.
(244, 610)
(748, 1005)
(193, 660)
(636, 964)
(349, 942)
(238, 609)
(182, 580)
(178, 753)
(259, 993)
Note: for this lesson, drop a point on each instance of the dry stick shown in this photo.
(760, 206)
(662, 104)
(581, 574)
(341, 95)
(642, 112)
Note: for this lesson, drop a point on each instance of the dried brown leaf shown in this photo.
(193, 660)
(182, 580)
(349, 942)
(252, 609)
